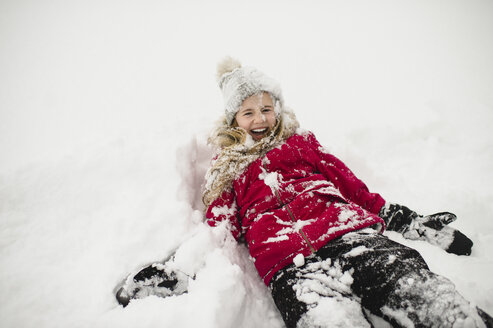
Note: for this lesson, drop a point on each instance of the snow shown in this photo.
(322, 286)
(299, 260)
(347, 214)
(276, 239)
(105, 108)
(223, 210)
(357, 251)
(270, 178)
(344, 313)
(400, 316)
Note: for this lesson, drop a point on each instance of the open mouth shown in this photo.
(258, 132)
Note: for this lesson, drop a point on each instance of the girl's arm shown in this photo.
(344, 179)
(431, 228)
(167, 277)
(222, 209)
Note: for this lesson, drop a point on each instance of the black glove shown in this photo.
(432, 228)
(159, 279)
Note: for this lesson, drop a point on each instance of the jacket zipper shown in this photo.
(292, 217)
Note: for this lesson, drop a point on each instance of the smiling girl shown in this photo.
(313, 229)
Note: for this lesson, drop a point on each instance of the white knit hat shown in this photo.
(238, 83)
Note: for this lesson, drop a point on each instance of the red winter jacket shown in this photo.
(293, 201)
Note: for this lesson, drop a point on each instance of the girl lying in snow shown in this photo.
(313, 228)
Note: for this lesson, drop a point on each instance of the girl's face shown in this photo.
(256, 115)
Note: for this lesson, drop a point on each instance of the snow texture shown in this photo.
(299, 260)
(322, 286)
(446, 308)
(105, 108)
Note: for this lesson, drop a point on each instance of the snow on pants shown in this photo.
(366, 275)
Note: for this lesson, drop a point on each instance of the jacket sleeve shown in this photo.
(344, 179)
(222, 209)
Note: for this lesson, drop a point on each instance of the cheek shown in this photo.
(242, 123)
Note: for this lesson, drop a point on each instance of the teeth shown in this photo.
(259, 130)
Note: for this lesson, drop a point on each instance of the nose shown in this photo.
(259, 117)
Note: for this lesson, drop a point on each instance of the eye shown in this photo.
(266, 109)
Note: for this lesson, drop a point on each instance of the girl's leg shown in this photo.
(390, 280)
(429, 300)
(394, 282)
(317, 295)
(284, 296)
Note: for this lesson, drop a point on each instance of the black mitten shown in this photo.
(155, 279)
(432, 228)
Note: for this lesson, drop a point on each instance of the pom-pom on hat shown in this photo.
(238, 83)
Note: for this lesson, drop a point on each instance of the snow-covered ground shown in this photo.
(104, 111)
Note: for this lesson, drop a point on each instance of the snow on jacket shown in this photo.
(293, 201)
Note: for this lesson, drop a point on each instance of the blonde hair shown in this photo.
(234, 156)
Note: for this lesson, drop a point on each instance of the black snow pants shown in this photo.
(364, 277)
